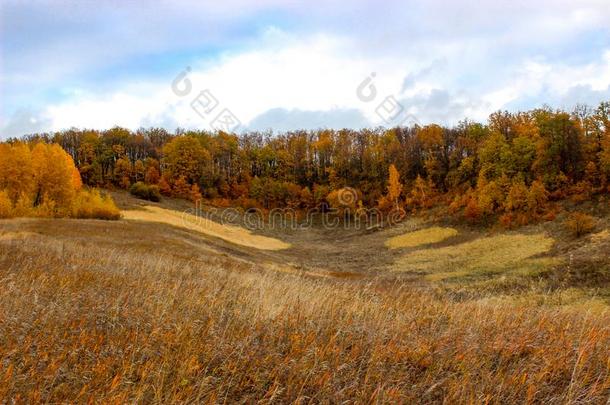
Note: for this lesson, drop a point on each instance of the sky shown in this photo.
(282, 65)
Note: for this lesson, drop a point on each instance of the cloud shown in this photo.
(285, 79)
(281, 119)
(70, 64)
(24, 122)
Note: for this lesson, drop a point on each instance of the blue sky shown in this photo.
(285, 64)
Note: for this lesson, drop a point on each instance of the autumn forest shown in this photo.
(509, 169)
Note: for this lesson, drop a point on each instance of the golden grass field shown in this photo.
(495, 254)
(421, 237)
(145, 310)
(229, 233)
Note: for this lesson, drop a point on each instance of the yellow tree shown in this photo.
(537, 197)
(139, 170)
(16, 171)
(55, 176)
(394, 185)
(516, 200)
(421, 194)
(123, 172)
(185, 157)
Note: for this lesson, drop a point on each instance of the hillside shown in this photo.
(152, 308)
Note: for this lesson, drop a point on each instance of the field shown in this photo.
(152, 308)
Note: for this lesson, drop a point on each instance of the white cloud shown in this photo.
(314, 74)
(319, 74)
(443, 60)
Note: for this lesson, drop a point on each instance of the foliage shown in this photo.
(394, 185)
(95, 205)
(195, 193)
(48, 184)
(6, 206)
(145, 191)
(579, 223)
(553, 153)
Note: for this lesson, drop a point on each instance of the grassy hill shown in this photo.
(155, 308)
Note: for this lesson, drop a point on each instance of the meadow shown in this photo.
(146, 310)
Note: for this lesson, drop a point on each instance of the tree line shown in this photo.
(512, 165)
(40, 180)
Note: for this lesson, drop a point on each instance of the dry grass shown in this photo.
(509, 253)
(229, 233)
(112, 325)
(421, 237)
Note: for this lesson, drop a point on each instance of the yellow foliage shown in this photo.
(54, 173)
(580, 223)
(6, 207)
(44, 182)
(16, 170)
(92, 204)
(394, 186)
(23, 206)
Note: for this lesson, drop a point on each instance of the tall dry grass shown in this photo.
(112, 326)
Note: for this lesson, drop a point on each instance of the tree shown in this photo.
(490, 196)
(580, 223)
(16, 170)
(344, 201)
(123, 172)
(181, 188)
(537, 198)
(394, 185)
(421, 194)
(517, 197)
(50, 186)
(152, 175)
(139, 170)
(55, 176)
(164, 186)
(185, 157)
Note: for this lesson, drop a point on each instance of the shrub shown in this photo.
(145, 191)
(507, 220)
(48, 209)
(181, 188)
(580, 224)
(195, 194)
(92, 204)
(164, 187)
(472, 212)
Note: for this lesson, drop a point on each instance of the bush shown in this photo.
(145, 191)
(472, 212)
(580, 224)
(92, 204)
